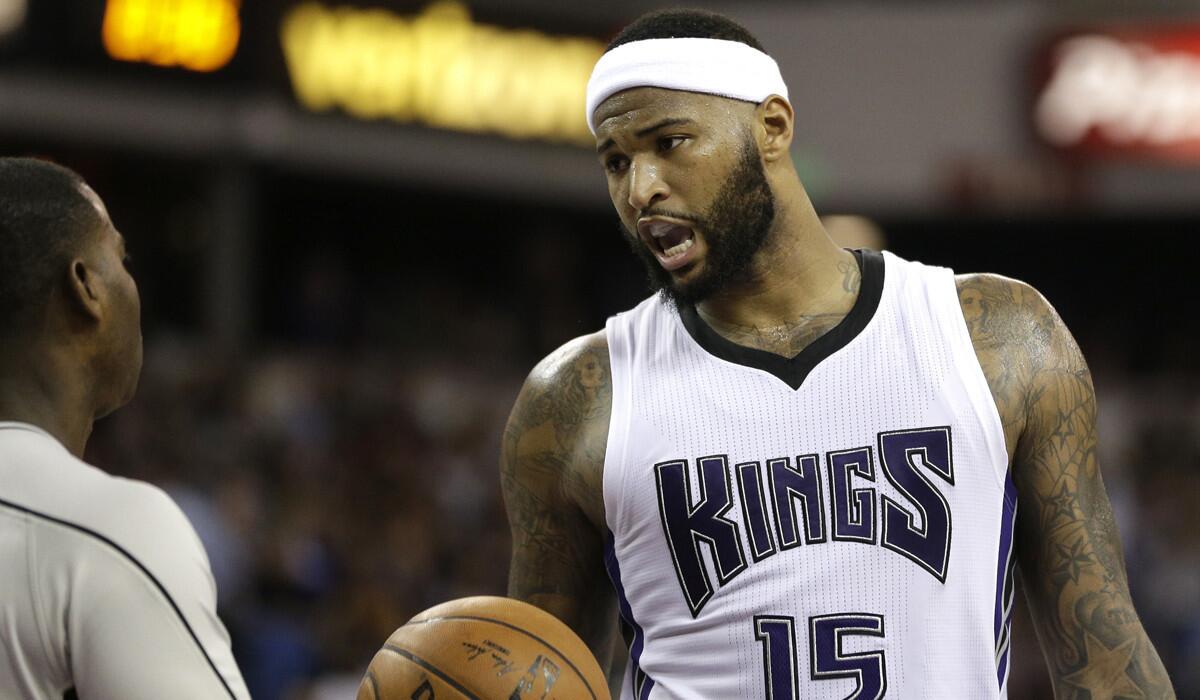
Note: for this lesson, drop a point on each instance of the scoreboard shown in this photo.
(432, 63)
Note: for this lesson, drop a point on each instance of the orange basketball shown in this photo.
(487, 648)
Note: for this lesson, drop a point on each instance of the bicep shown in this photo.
(555, 549)
(557, 553)
(1069, 547)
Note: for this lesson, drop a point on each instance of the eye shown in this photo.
(616, 163)
(127, 261)
(668, 143)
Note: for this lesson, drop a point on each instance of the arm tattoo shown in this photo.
(551, 473)
(1067, 542)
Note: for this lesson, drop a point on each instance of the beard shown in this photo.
(735, 227)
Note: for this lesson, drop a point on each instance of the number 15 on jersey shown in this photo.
(828, 659)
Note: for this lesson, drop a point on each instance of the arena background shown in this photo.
(357, 225)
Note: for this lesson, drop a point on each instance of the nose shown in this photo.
(646, 185)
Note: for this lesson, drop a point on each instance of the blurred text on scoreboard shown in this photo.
(439, 68)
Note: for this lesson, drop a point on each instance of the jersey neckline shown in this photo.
(36, 430)
(793, 371)
(18, 425)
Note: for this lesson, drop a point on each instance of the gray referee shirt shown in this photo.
(105, 590)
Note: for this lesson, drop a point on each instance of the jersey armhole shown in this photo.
(979, 390)
(620, 413)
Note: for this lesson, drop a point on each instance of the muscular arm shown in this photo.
(551, 469)
(1068, 547)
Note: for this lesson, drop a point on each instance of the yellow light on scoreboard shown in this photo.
(439, 68)
(200, 35)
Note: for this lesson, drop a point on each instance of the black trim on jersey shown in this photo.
(793, 371)
(162, 589)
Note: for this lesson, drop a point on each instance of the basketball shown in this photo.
(483, 647)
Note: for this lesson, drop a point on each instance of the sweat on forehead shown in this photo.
(711, 66)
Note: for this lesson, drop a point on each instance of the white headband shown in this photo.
(713, 66)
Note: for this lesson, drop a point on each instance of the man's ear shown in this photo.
(83, 289)
(776, 119)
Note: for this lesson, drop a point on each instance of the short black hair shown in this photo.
(44, 217)
(682, 23)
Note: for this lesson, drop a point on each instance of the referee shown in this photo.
(105, 590)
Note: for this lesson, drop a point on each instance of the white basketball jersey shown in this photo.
(835, 525)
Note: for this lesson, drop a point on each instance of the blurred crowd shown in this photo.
(337, 494)
(340, 488)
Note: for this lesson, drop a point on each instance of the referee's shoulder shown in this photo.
(142, 514)
(121, 521)
(145, 524)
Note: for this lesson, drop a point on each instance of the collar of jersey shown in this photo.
(794, 370)
(18, 425)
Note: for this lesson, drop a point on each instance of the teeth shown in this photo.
(679, 249)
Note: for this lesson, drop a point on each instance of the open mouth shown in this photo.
(670, 241)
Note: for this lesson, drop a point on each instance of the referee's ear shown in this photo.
(83, 290)
(775, 121)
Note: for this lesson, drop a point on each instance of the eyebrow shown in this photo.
(661, 125)
(671, 121)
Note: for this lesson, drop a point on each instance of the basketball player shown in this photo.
(803, 470)
(105, 590)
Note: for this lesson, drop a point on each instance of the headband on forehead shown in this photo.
(712, 66)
